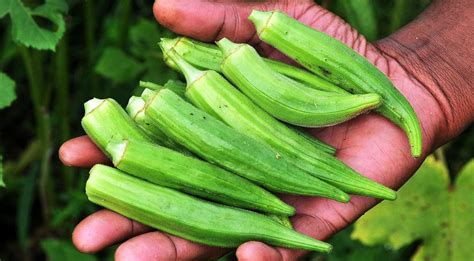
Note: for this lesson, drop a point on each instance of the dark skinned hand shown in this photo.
(370, 144)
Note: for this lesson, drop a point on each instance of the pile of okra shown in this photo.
(202, 159)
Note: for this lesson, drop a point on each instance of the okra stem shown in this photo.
(189, 217)
(105, 119)
(191, 74)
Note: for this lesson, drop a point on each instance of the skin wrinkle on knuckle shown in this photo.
(173, 245)
(327, 226)
(163, 248)
(291, 254)
(220, 28)
(237, 21)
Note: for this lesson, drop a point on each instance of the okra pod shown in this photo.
(285, 98)
(168, 168)
(213, 94)
(135, 110)
(336, 62)
(188, 217)
(218, 143)
(105, 120)
(209, 57)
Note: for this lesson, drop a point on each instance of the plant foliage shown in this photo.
(27, 31)
(7, 90)
(428, 208)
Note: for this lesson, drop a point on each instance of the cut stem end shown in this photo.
(90, 105)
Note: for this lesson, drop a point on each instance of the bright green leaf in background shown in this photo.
(7, 91)
(61, 250)
(346, 249)
(26, 30)
(430, 209)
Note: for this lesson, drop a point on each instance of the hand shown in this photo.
(370, 144)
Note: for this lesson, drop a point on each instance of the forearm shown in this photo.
(438, 49)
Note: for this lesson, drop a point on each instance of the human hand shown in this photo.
(370, 144)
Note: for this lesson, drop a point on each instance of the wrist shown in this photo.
(436, 57)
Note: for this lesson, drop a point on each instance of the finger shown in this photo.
(104, 228)
(257, 251)
(311, 225)
(81, 152)
(160, 246)
(319, 227)
(206, 20)
(211, 20)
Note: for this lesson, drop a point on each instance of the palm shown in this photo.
(370, 144)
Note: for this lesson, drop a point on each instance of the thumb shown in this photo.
(208, 21)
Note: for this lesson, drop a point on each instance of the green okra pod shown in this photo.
(105, 120)
(188, 217)
(210, 92)
(285, 98)
(336, 62)
(135, 109)
(218, 143)
(215, 95)
(168, 168)
(209, 57)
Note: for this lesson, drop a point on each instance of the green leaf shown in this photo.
(2, 183)
(59, 5)
(25, 29)
(346, 249)
(118, 66)
(7, 91)
(427, 209)
(60, 250)
(144, 37)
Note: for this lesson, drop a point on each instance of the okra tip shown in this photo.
(91, 104)
(373, 100)
(190, 72)
(390, 195)
(342, 197)
(135, 105)
(116, 149)
(323, 247)
(166, 44)
(310, 243)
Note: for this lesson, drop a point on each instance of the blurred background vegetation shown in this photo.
(57, 54)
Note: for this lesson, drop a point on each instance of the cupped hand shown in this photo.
(370, 144)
